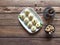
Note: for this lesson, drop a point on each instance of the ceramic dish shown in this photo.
(30, 20)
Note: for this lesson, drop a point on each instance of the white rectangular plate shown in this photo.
(35, 14)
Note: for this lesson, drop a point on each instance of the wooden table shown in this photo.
(11, 31)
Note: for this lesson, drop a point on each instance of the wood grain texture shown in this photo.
(19, 9)
(29, 41)
(29, 3)
(12, 19)
(10, 27)
(12, 32)
(18, 31)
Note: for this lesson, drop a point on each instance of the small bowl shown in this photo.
(49, 31)
(49, 13)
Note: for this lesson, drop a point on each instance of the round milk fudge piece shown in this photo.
(27, 12)
(38, 24)
(34, 21)
(29, 24)
(22, 16)
(30, 16)
(26, 20)
(33, 28)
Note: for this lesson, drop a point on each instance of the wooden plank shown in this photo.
(19, 31)
(10, 27)
(19, 9)
(29, 3)
(12, 19)
(29, 41)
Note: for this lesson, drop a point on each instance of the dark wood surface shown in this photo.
(12, 32)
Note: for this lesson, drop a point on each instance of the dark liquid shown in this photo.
(50, 14)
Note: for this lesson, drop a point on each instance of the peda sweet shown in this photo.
(34, 21)
(29, 24)
(26, 20)
(27, 12)
(30, 16)
(22, 16)
(33, 28)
